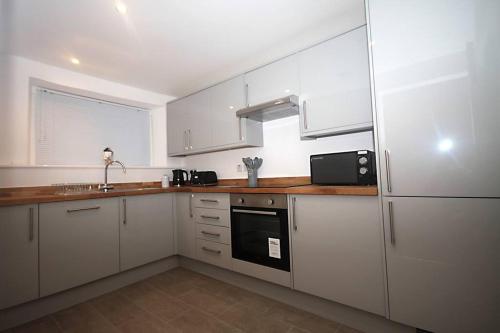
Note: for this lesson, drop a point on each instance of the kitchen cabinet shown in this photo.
(337, 249)
(206, 121)
(273, 81)
(185, 225)
(18, 254)
(225, 99)
(443, 262)
(177, 125)
(146, 229)
(79, 242)
(436, 90)
(335, 86)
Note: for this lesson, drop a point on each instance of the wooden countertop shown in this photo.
(287, 185)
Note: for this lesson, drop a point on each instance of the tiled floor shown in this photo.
(182, 301)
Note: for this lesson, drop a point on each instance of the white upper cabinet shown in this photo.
(18, 255)
(177, 122)
(335, 86)
(199, 117)
(437, 77)
(276, 80)
(225, 99)
(443, 263)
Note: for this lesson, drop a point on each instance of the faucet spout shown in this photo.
(106, 187)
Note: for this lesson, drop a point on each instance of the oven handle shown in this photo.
(257, 212)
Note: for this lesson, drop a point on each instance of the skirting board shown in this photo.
(358, 319)
(41, 307)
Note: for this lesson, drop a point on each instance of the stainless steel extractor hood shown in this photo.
(275, 109)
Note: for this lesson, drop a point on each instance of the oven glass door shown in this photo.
(260, 236)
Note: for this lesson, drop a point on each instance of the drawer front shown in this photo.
(213, 233)
(213, 253)
(211, 200)
(219, 217)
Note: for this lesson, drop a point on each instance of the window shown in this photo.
(74, 130)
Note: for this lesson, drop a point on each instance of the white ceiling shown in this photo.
(171, 46)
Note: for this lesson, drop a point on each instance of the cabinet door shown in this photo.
(177, 127)
(78, 243)
(185, 225)
(337, 250)
(437, 96)
(146, 229)
(335, 86)
(199, 120)
(18, 255)
(443, 263)
(276, 80)
(225, 99)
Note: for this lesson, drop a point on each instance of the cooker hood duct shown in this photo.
(275, 109)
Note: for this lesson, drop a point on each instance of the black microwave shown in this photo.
(346, 168)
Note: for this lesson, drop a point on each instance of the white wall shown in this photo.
(15, 119)
(284, 154)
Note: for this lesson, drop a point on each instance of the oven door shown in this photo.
(260, 236)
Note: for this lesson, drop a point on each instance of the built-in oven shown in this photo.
(259, 229)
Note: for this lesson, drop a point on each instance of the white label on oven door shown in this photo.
(274, 248)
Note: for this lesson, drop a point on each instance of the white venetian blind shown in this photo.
(71, 130)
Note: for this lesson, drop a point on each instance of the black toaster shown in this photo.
(203, 178)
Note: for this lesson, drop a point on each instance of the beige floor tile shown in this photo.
(302, 319)
(146, 324)
(206, 301)
(194, 321)
(42, 325)
(173, 285)
(346, 329)
(83, 318)
(117, 308)
(249, 320)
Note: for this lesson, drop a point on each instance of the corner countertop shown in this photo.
(284, 185)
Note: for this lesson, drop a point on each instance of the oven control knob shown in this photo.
(362, 160)
(270, 202)
(363, 170)
(241, 200)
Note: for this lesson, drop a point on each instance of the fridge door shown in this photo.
(437, 79)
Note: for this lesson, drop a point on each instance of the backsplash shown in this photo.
(284, 153)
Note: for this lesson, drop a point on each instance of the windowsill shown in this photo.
(6, 166)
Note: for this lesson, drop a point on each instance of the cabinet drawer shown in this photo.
(213, 233)
(213, 253)
(219, 217)
(211, 200)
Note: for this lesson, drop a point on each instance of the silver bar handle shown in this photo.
(185, 140)
(82, 209)
(294, 220)
(31, 224)
(304, 112)
(209, 200)
(189, 139)
(210, 217)
(211, 250)
(240, 130)
(191, 205)
(246, 95)
(388, 170)
(210, 233)
(256, 212)
(124, 211)
(391, 224)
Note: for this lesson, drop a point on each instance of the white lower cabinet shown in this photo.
(185, 225)
(18, 255)
(79, 242)
(214, 253)
(337, 249)
(146, 229)
(443, 263)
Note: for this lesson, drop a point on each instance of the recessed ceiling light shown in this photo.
(75, 61)
(121, 7)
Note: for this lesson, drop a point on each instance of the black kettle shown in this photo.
(178, 177)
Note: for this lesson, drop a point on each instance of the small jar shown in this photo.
(164, 181)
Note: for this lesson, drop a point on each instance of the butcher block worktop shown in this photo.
(283, 185)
